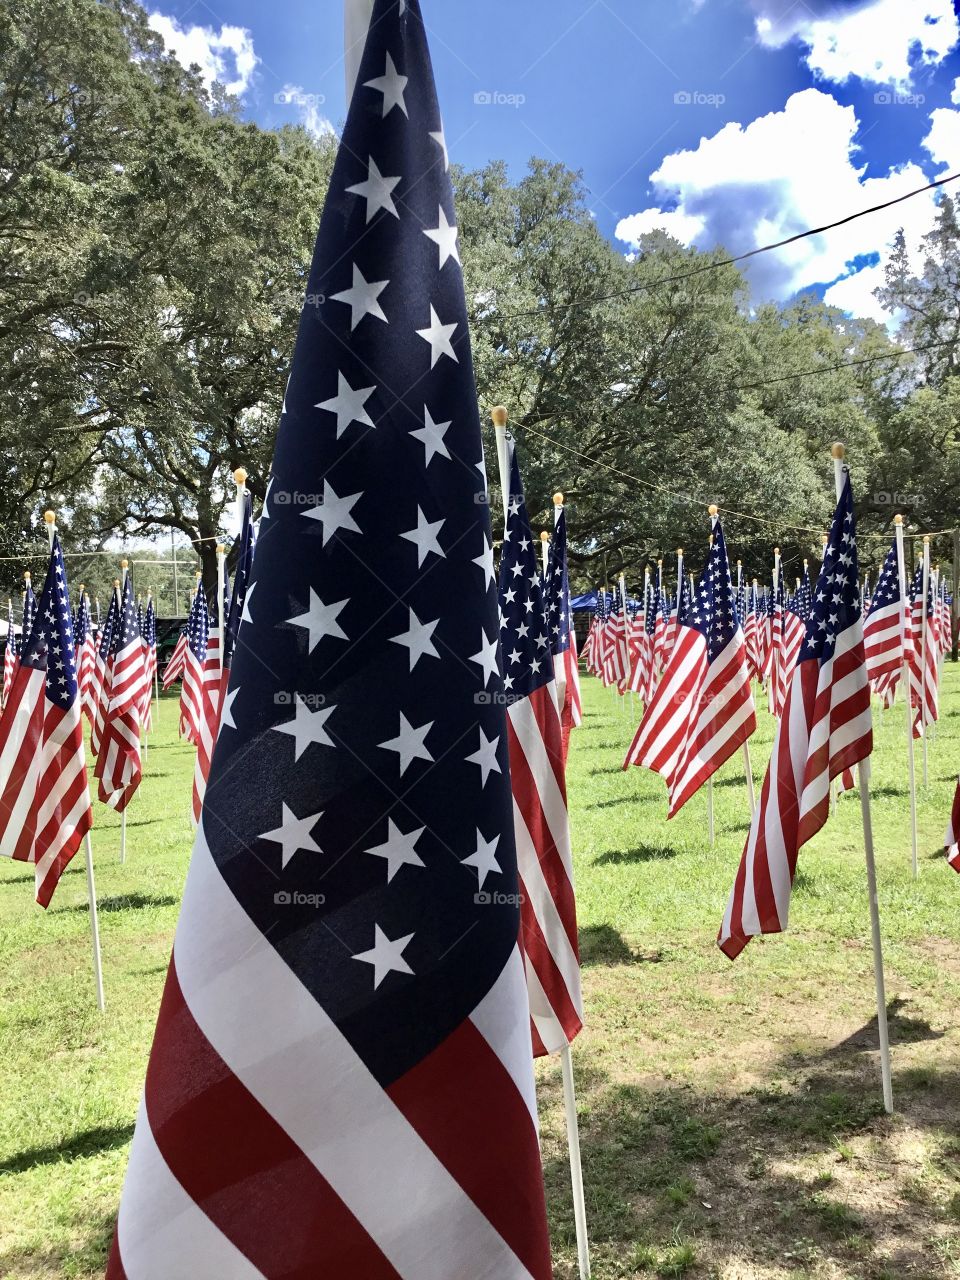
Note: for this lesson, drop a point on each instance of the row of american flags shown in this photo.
(379, 931)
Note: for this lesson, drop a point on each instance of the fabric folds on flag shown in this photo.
(176, 662)
(541, 820)
(952, 838)
(341, 1081)
(825, 728)
(563, 639)
(703, 710)
(45, 807)
(9, 657)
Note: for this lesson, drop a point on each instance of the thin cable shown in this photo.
(740, 257)
(846, 364)
(699, 502)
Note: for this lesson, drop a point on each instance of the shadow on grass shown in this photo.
(89, 1143)
(124, 902)
(669, 1170)
(602, 944)
(642, 853)
(903, 1029)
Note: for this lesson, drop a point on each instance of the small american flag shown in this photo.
(541, 821)
(197, 667)
(9, 656)
(702, 711)
(118, 763)
(563, 639)
(45, 808)
(825, 727)
(86, 655)
(924, 688)
(886, 630)
(175, 665)
(100, 680)
(341, 1081)
(29, 608)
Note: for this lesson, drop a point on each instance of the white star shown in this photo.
(444, 235)
(245, 615)
(334, 512)
(486, 757)
(409, 743)
(438, 335)
(431, 436)
(226, 720)
(348, 404)
(484, 561)
(362, 297)
(399, 849)
(419, 639)
(385, 956)
(320, 620)
(425, 537)
(307, 727)
(293, 834)
(376, 191)
(391, 84)
(485, 859)
(441, 141)
(486, 659)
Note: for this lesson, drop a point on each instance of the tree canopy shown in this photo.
(154, 249)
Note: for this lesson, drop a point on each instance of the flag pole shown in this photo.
(544, 551)
(576, 1167)
(923, 652)
(905, 677)
(50, 520)
(156, 665)
(221, 589)
(500, 418)
(839, 470)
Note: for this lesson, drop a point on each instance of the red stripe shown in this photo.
(241, 1168)
(464, 1105)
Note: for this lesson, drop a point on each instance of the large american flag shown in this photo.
(119, 766)
(952, 838)
(542, 824)
(825, 727)
(702, 711)
(45, 807)
(341, 1081)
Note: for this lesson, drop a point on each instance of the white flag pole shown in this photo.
(560, 670)
(576, 1168)
(839, 469)
(905, 680)
(221, 612)
(356, 24)
(500, 419)
(50, 520)
(923, 652)
(544, 552)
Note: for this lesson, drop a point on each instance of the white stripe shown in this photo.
(508, 1035)
(530, 738)
(280, 1043)
(162, 1233)
(548, 1025)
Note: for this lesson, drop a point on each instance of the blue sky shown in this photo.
(726, 121)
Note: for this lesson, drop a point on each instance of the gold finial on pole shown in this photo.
(240, 476)
(838, 451)
(50, 517)
(898, 519)
(714, 510)
(558, 499)
(500, 416)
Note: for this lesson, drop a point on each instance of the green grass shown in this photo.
(730, 1114)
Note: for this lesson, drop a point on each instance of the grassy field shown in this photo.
(730, 1114)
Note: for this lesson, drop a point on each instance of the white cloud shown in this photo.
(308, 106)
(943, 140)
(226, 55)
(874, 42)
(785, 172)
